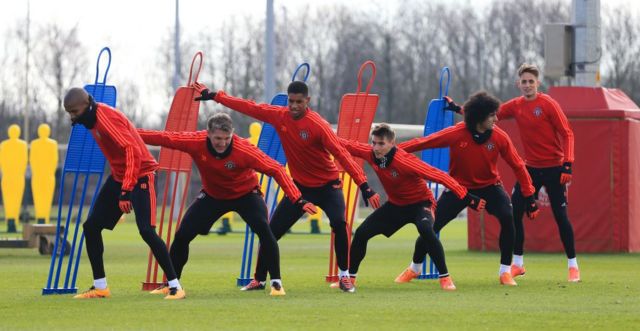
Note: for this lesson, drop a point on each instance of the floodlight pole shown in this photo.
(585, 18)
(270, 62)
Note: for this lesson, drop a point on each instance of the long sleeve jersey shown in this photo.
(230, 176)
(308, 142)
(125, 151)
(541, 123)
(471, 164)
(403, 177)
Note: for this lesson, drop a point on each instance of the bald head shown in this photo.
(76, 101)
(75, 95)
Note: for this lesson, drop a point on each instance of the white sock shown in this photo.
(518, 260)
(278, 281)
(175, 283)
(100, 284)
(353, 275)
(343, 273)
(573, 263)
(504, 268)
(415, 267)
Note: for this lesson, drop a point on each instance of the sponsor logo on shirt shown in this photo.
(229, 165)
(304, 135)
(203, 157)
(537, 112)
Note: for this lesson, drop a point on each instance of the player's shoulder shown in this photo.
(242, 142)
(106, 112)
(547, 100)
(513, 102)
(500, 136)
(455, 129)
(404, 157)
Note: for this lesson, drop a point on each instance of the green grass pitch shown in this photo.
(607, 299)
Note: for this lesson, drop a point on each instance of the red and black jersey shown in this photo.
(403, 177)
(125, 151)
(471, 164)
(308, 142)
(230, 176)
(541, 123)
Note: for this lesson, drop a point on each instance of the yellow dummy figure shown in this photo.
(13, 156)
(43, 158)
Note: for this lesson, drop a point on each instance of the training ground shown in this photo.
(607, 299)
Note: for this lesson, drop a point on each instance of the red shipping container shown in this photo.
(604, 195)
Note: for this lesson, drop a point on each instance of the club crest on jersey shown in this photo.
(229, 165)
(490, 146)
(304, 135)
(394, 173)
(463, 144)
(537, 112)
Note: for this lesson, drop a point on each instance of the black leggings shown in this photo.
(328, 197)
(206, 210)
(550, 179)
(106, 213)
(388, 219)
(498, 205)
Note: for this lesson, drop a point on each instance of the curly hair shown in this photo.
(478, 107)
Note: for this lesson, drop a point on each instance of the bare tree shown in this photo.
(621, 63)
(60, 59)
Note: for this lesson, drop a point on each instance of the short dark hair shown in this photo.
(220, 121)
(298, 87)
(479, 106)
(530, 68)
(383, 130)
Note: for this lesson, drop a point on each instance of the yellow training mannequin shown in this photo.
(43, 158)
(13, 156)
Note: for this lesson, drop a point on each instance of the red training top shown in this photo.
(308, 142)
(541, 123)
(403, 178)
(475, 165)
(125, 151)
(230, 176)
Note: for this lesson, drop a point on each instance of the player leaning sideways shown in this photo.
(308, 143)
(131, 186)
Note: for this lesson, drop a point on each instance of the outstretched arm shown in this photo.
(262, 112)
(171, 139)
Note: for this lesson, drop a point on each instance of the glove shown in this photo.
(474, 202)
(124, 202)
(369, 196)
(531, 207)
(452, 105)
(307, 206)
(204, 92)
(565, 173)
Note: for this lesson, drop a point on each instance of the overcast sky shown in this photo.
(134, 29)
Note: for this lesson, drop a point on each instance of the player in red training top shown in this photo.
(130, 187)
(410, 201)
(226, 163)
(549, 160)
(474, 147)
(308, 142)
